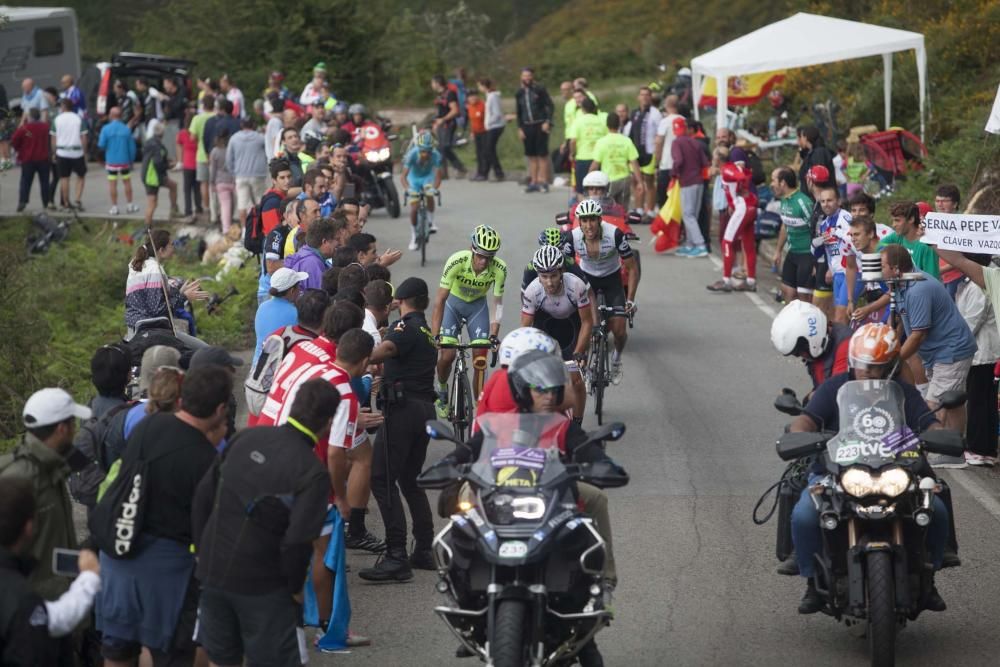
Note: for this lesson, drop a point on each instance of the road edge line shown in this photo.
(754, 299)
(977, 491)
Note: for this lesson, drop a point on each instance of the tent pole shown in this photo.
(922, 83)
(722, 100)
(697, 81)
(887, 87)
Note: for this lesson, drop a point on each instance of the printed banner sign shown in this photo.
(964, 232)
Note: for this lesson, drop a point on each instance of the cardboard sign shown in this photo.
(963, 232)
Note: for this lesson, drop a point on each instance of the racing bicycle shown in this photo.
(597, 372)
(461, 401)
(423, 227)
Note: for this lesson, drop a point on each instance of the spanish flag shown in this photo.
(667, 224)
(744, 90)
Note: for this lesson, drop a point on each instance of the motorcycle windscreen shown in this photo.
(873, 430)
(520, 451)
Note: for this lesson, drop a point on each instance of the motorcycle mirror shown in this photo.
(438, 476)
(954, 398)
(944, 441)
(788, 404)
(603, 474)
(633, 218)
(439, 430)
(793, 446)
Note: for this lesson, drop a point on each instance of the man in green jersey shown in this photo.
(797, 279)
(465, 282)
(617, 156)
(906, 221)
(588, 127)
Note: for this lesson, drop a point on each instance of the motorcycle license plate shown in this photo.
(513, 549)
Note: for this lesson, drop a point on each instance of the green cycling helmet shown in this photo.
(425, 141)
(485, 240)
(551, 236)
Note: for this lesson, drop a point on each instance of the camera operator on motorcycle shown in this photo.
(557, 302)
(802, 330)
(537, 381)
(873, 352)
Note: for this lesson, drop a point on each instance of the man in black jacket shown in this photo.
(534, 123)
(254, 518)
(813, 152)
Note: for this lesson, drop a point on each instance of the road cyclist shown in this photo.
(421, 180)
(461, 298)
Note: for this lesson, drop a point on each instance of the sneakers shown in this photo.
(78, 206)
(980, 460)
(131, 208)
(423, 559)
(697, 251)
(950, 559)
(364, 542)
(934, 601)
(745, 287)
(113, 210)
(616, 371)
(391, 567)
(719, 286)
(533, 187)
(545, 188)
(441, 408)
(22, 206)
(788, 567)
(478, 178)
(413, 239)
(682, 252)
(432, 228)
(812, 601)
(946, 462)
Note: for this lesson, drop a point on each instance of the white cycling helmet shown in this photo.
(589, 208)
(800, 321)
(596, 179)
(548, 258)
(519, 341)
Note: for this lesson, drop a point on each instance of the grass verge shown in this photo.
(57, 308)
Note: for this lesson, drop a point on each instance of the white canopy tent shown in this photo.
(803, 40)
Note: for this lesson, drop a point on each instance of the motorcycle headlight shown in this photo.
(503, 508)
(859, 483)
(372, 156)
(383, 154)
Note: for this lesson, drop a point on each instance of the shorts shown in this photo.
(182, 648)
(840, 289)
(797, 271)
(564, 331)
(536, 142)
(476, 315)
(822, 288)
(71, 165)
(619, 190)
(152, 190)
(201, 172)
(419, 184)
(263, 629)
(649, 169)
(946, 377)
(612, 288)
(580, 169)
(116, 171)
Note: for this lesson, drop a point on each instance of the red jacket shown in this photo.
(31, 141)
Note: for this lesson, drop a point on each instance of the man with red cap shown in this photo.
(819, 177)
(742, 214)
(689, 161)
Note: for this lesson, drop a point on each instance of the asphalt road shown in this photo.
(696, 575)
(696, 582)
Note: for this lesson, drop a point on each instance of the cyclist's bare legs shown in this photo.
(619, 328)
(413, 213)
(446, 358)
(579, 394)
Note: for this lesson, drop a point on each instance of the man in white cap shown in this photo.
(50, 418)
(279, 310)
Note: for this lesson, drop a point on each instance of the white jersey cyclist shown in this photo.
(574, 296)
(614, 248)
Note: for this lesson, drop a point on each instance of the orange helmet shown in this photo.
(873, 345)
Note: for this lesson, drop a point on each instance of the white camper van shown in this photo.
(37, 42)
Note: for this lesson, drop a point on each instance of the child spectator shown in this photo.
(187, 148)
(221, 180)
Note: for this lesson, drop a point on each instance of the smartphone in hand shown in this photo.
(66, 562)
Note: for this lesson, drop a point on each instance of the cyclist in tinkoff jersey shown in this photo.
(465, 282)
(557, 302)
(421, 178)
(602, 249)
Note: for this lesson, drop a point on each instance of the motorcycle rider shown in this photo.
(872, 352)
(537, 381)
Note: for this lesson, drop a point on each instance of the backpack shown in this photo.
(756, 168)
(253, 231)
(89, 441)
(261, 376)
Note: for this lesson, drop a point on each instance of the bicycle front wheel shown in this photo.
(422, 233)
(601, 377)
(464, 407)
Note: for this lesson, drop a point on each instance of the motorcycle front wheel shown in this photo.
(508, 648)
(881, 610)
(391, 198)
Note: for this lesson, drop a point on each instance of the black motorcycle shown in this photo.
(874, 508)
(521, 566)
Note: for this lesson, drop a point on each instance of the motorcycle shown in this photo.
(874, 509)
(374, 161)
(521, 566)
